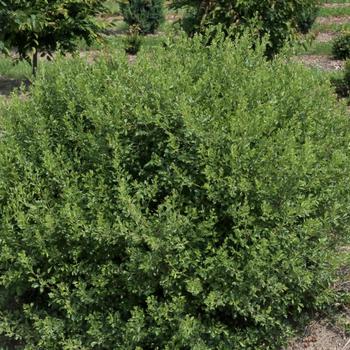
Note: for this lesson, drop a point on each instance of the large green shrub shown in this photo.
(190, 200)
(281, 20)
(148, 15)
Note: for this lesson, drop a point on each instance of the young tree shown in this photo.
(278, 19)
(148, 15)
(31, 27)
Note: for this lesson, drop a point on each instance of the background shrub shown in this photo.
(341, 46)
(279, 19)
(342, 84)
(191, 200)
(148, 15)
(306, 17)
(133, 41)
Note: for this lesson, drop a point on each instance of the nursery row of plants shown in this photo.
(195, 198)
(122, 26)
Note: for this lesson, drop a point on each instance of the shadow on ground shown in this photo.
(7, 85)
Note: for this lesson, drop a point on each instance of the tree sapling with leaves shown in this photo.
(31, 27)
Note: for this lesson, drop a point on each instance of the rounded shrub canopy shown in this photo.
(191, 200)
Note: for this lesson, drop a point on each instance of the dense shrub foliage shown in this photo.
(278, 19)
(341, 46)
(190, 200)
(148, 15)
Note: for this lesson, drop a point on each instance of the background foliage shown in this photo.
(279, 19)
(191, 200)
(45, 26)
(341, 46)
(148, 15)
(307, 16)
(342, 83)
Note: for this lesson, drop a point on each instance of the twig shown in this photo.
(345, 346)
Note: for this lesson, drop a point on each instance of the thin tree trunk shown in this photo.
(35, 62)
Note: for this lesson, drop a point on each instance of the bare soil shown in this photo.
(111, 18)
(324, 37)
(173, 17)
(335, 5)
(333, 20)
(320, 61)
(320, 336)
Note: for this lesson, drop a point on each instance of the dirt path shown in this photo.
(320, 61)
(336, 5)
(325, 37)
(333, 20)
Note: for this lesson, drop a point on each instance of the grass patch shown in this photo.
(9, 69)
(314, 48)
(112, 7)
(334, 1)
(334, 11)
(330, 75)
(317, 48)
(331, 27)
(118, 27)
